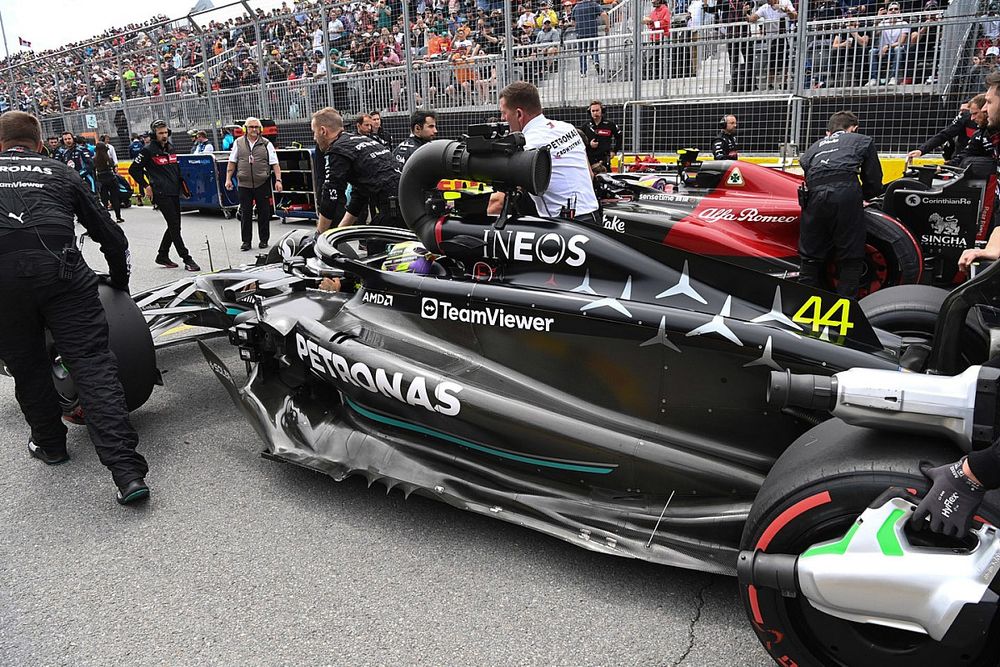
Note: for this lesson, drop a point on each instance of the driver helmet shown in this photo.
(296, 243)
(409, 257)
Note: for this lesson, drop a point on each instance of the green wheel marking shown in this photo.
(837, 548)
(887, 539)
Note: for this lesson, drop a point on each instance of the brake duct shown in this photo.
(875, 574)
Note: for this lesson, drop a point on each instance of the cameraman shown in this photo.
(45, 284)
(570, 194)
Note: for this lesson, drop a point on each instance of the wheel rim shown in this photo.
(839, 642)
(877, 272)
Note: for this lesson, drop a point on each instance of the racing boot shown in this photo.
(47, 457)
(810, 272)
(132, 492)
(191, 265)
(164, 260)
(849, 277)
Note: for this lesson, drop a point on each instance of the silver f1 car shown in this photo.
(614, 392)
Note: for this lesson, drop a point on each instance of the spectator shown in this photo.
(525, 16)
(893, 38)
(658, 23)
(586, 14)
(548, 41)
(772, 18)
(546, 13)
(848, 53)
(923, 48)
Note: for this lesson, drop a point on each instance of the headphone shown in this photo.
(159, 123)
(724, 121)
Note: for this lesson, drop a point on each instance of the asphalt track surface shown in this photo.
(239, 560)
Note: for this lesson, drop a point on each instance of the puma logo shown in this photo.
(19, 218)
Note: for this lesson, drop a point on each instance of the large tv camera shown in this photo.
(492, 138)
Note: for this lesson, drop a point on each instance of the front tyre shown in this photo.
(815, 491)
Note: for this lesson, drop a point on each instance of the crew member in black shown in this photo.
(833, 219)
(364, 163)
(724, 147)
(979, 154)
(953, 138)
(602, 138)
(46, 285)
(157, 162)
(992, 111)
(379, 133)
(423, 129)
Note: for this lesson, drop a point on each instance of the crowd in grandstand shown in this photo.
(870, 44)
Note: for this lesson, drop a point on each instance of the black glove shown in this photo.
(952, 501)
(111, 281)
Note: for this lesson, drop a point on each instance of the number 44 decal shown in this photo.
(811, 313)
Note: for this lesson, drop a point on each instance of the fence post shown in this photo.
(636, 75)
(216, 139)
(508, 43)
(408, 60)
(328, 77)
(799, 88)
(261, 92)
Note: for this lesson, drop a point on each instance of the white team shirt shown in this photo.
(570, 185)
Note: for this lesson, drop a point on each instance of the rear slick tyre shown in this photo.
(815, 491)
(911, 311)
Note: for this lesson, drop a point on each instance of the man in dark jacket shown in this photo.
(979, 155)
(724, 147)
(379, 133)
(46, 285)
(833, 219)
(602, 138)
(156, 171)
(953, 138)
(77, 158)
(360, 161)
(423, 130)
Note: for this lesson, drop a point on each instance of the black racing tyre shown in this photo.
(892, 256)
(130, 341)
(911, 311)
(815, 491)
(900, 253)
